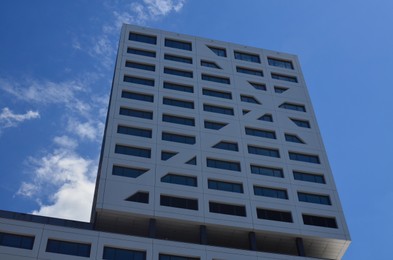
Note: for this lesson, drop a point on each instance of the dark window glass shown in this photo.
(274, 215)
(219, 110)
(218, 51)
(137, 96)
(128, 171)
(270, 192)
(245, 111)
(227, 209)
(260, 133)
(176, 257)
(267, 171)
(176, 202)
(295, 107)
(258, 86)
(178, 44)
(178, 87)
(301, 123)
(225, 186)
(140, 197)
(293, 139)
(319, 221)
(214, 125)
(209, 64)
(177, 72)
(141, 52)
(134, 151)
(216, 79)
(140, 81)
(314, 198)
(111, 253)
(178, 58)
(225, 165)
(17, 241)
(284, 77)
(192, 161)
(249, 99)
(258, 73)
(136, 113)
(178, 120)
(68, 248)
(141, 66)
(310, 177)
(134, 131)
(165, 155)
(266, 117)
(185, 139)
(227, 146)
(304, 157)
(178, 103)
(247, 57)
(263, 151)
(142, 38)
(280, 63)
(280, 90)
(180, 179)
(219, 94)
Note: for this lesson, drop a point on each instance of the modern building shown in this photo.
(211, 151)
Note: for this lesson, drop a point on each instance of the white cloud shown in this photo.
(91, 130)
(163, 7)
(64, 179)
(65, 141)
(47, 92)
(10, 119)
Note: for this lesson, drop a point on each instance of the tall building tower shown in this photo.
(211, 151)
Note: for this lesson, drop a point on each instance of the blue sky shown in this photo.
(56, 67)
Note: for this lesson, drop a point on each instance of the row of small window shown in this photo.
(225, 145)
(236, 188)
(190, 89)
(226, 165)
(79, 249)
(208, 107)
(183, 45)
(208, 124)
(236, 210)
(132, 172)
(213, 78)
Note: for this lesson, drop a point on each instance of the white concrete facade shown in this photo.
(190, 225)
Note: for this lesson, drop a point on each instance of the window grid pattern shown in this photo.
(247, 57)
(112, 253)
(181, 203)
(16, 240)
(180, 180)
(225, 186)
(260, 133)
(68, 248)
(227, 209)
(270, 192)
(270, 152)
(141, 52)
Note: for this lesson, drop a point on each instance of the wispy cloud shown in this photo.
(62, 182)
(91, 130)
(142, 12)
(11, 119)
